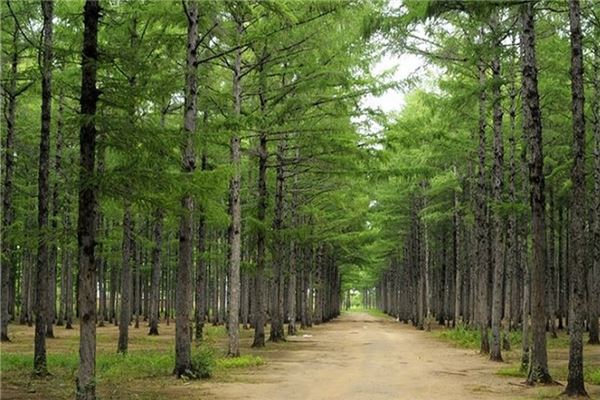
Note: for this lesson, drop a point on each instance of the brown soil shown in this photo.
(359, 356)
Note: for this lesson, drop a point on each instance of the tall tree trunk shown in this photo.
(532, 125)
(126, 281)
(183, 349)
(260, 317)
(481, 221)
(235, 211)
(86, 376)
(511, 228)
(575, 384)
(42, 287)
(277, 312)
(594, 302)
(7, 184)
(56, 211)
(497, 220)
(156, 270)
(201, 295)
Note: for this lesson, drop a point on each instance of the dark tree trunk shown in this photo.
(126, 281)
(497, 220)
(7, 207)
(183, 349)
(156, 271)
(277, 309)
(42, 306)
(575, 384)
(594, 302)
(201, 281)
(481, 221)
(532, 125)
(259, 317)
(86, 376)
(235, 211)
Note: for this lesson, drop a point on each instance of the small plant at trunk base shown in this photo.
(203, 363)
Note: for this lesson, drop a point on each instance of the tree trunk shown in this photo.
(183, 350)
(126, 281)
(497, 220)
(86, 377)
(532, 125)
(259, 317)
(594, 302)
(156, 270)
(7, 206)
(575, 384)
(235, 211)
(481, 221)
(42, 305)
(277, 311)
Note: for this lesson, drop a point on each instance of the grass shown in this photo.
(145, 372)
(557, 353)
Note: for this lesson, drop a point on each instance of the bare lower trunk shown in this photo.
(183, 301)
(575, 383)
(156, 271)
(538, 366)
(42, 287)
(126, 291)
(86, 376)
(7, 207)
(498, 222)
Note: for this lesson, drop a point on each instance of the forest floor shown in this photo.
(356, 356)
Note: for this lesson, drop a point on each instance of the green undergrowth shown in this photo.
(134, 365)
(591, 374)
(471, 338)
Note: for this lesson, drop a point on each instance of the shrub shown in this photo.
(203, 362)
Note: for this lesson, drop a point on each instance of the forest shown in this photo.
(300, 199)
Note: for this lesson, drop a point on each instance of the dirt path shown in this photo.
(362, 357)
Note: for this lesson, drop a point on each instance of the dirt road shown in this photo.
(362, 357)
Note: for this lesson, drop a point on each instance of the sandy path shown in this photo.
(362, 357)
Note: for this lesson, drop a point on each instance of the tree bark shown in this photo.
(156, 271)
(7, 184)
(126, 281)
(497, 220)
(532, 125)
(183, 350)
(86, 376)
(594, 302)
(42, 287)
(575, 383)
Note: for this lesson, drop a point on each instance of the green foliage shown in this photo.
(203, 362)
(243, 361)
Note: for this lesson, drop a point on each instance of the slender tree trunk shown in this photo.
(201, 295)
(532, 125)
(511, 228)
(42, 307)
(594, 302)
(126, 290)
(156, 271)
(277, 312)
(86, 376)
(235, 211)
(183, 350)
(497, 220)
(7, 206)
(575, 384)
(260, 317)
(481, 221)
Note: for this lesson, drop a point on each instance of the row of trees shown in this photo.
(246, 210)
(499, 206)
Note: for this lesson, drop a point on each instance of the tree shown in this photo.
(86, 376)
(183, 357)
(575, 384)
(532, 126)
(43, 309)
